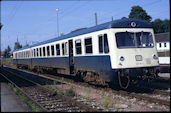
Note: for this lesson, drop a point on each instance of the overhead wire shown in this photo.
(73, 9)
(13, 13)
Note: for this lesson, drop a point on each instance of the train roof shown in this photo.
(120, 23)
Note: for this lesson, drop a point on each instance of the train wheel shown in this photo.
(124, 79)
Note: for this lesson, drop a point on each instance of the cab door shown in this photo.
(71, 57)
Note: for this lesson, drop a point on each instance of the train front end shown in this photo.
(134, 56)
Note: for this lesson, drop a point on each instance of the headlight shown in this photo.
(122, 58)
(155, 56)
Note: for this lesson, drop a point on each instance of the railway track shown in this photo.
(47, 99)
(152, 98)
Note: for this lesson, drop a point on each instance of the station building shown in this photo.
(163, 47)
(163, 41)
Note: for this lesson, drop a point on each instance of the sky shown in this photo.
(31, 21)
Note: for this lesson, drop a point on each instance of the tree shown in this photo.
(17, 45)
(26, 45)
(166, 25)
(161, 26)
(139, 13)
(157, 25)
(7, 52)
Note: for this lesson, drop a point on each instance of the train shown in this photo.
(118, 52)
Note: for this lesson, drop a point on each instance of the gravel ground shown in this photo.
(112, 102)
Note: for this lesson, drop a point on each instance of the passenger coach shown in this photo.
(119, 51)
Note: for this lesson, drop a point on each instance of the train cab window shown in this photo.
(40, 51)
(78, 46)
(134, 39)
(48, 51)
(103, 44)
(37, 52)
(44, 51)
(88, 45)
(57, 49)
(63, 49)
(52, 50)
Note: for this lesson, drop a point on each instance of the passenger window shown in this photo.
(40, 51)
(62, 48)
(44, 51)
(37, 53)
(88, 45)
(103, 44)
(57, 49)
(52, 50)
(106, 46)
(34, 52)
(66, 48)
(100, 44)
(48, 51)
(78, 46)
(159, 44)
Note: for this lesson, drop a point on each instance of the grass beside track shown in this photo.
(6, 61)
(33, 106)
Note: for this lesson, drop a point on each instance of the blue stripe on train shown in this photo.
(100, 64)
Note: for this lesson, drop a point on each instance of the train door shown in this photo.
(71, 58)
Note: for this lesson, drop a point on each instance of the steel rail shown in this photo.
(64, 98)
(25, 94)
(125, 93)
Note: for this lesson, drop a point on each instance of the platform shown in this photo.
(10, 102)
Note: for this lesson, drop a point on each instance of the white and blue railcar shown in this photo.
(118, 51)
